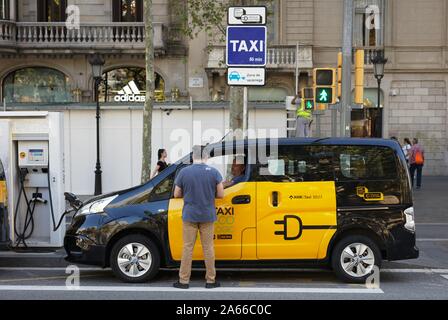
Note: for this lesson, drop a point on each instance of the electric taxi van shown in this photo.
(343, 203)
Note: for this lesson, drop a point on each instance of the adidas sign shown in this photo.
(130, 93)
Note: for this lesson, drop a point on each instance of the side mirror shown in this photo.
(73, 200)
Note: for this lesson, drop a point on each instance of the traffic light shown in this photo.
(339, 75)
(308, 98)
(325, 85)
(359, 76)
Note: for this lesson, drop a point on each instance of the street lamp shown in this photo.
(97, 63)
(378, 61)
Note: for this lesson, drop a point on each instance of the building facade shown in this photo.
(44, 59)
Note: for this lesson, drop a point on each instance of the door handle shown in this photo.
(275, 198)
(243, 199)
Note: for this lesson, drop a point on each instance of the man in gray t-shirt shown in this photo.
(199, 185)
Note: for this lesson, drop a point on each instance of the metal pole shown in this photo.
(318, 128)
(297, 69)
(379, 92)
(245, 114)
(98, 184)
(347, 44)
(334, 115)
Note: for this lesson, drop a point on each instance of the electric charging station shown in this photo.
(32, 153)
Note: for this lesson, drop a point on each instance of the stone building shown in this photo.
(43, 64)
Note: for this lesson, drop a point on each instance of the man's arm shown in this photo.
(177, 192)
(220, 190)
(293, 101)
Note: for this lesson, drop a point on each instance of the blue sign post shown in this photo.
(246, 46)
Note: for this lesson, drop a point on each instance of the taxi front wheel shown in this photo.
(354, 257)
(135, 258)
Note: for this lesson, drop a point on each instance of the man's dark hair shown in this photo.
(199, 152)
(415, 140)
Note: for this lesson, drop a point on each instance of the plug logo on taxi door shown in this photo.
(284, 231)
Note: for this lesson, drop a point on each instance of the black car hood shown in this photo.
(106, 195)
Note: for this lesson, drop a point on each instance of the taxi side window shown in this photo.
(297, 164)
(163, 190)
(366, 163)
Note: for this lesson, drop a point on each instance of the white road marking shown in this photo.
(445, 276)
(396, 270)
(422, 270)
(193, 289)
(433, 240)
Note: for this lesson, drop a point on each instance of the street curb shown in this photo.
(12, 259)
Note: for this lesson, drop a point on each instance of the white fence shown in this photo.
(121, 138)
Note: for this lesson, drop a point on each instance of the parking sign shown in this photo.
(246, 46)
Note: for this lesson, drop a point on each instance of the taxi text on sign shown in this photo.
(246, 46)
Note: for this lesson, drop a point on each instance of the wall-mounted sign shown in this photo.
(196, 82)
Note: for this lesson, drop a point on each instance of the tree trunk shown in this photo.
(147, 110)
(236, 112)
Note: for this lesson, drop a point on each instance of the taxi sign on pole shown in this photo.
(246, 46)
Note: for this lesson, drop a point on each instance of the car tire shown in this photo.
(138, 266)
(347, 262)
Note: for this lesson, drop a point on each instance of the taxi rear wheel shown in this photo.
(135, 259)
(354, 258)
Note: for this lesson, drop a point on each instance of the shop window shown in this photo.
(51, 10)
(117, 79)
(127, 10)
(36, 84)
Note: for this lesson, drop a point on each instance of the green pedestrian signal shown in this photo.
(324, 95)
(309, 105)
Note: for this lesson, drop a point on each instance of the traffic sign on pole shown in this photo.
(246, 15)
(246, 46)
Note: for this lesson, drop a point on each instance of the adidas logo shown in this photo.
(129, 93)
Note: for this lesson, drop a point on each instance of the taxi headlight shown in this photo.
(97, 206)
(410, 222)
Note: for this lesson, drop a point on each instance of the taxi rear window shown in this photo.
(366, 163)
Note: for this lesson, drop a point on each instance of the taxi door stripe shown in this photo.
(318, 227)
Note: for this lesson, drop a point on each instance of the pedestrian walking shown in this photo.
(304, 118)
(161, 165)
(199, 185)
(416, 161)
(406, 148)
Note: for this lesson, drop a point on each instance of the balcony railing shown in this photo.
(280, 57)
(53, 35)
(369, 52)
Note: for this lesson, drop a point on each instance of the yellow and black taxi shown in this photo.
(344, 203)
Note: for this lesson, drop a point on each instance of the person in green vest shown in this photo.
(304, 118)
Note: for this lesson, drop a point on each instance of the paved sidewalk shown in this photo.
(430, 203)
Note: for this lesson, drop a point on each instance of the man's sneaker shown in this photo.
(212, 285)
(179, 285)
